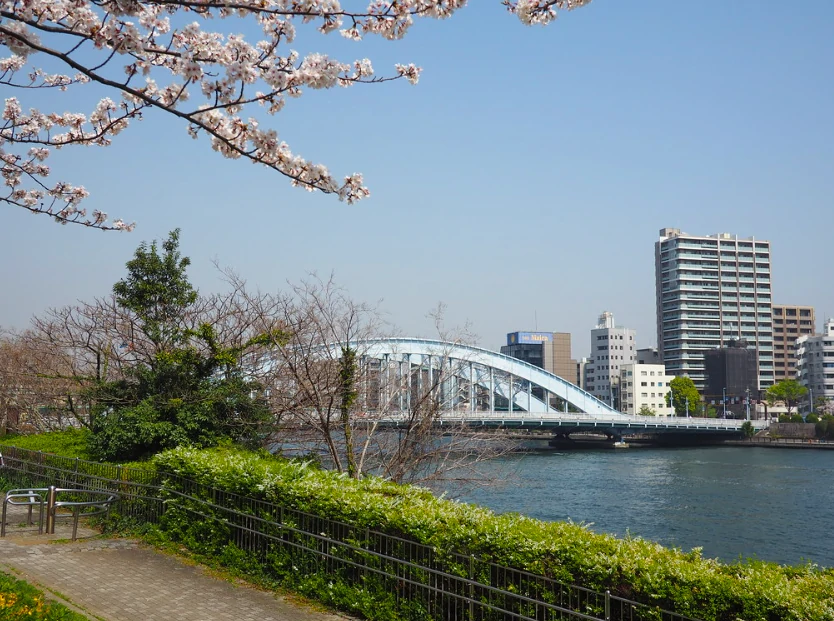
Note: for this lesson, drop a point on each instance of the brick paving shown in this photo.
(120, 580)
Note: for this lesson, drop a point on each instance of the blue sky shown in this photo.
(522, 182)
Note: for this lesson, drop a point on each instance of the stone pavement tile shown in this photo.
(118, 580)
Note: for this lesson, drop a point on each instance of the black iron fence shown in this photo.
(415, 580)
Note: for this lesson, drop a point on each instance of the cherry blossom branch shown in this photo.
(224, 69)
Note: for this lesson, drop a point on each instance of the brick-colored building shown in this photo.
(789, 323)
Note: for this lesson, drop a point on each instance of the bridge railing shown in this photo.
(294, 545)
(465, 416)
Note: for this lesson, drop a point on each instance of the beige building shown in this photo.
(644, 385)
(789, 323)
(563, 365)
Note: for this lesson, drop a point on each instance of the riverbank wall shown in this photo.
(792, 443)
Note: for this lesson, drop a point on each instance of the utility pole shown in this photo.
(724, 401)
(687, 407)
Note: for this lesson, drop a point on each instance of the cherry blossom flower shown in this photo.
(157, 54)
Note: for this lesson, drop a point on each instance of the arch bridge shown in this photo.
(483, 388)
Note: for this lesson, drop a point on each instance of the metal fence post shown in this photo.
(3, 518)
(471, 586)
(607, 605)
(50, 510)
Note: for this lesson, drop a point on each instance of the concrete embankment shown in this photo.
(792, 443)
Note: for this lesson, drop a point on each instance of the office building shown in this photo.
(815, 364)
(550, 351)
(612, 347)
(644, 385)
(711, 290)
(789, 323)
(584, 370)
(648, 355)
(730, 375)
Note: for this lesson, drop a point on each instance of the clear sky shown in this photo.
(522, 182)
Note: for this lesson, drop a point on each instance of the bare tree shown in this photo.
(335, 396)
(29, 399)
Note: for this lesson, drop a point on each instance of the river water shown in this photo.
(772, 504)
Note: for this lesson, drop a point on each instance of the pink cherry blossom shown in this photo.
(157, 54)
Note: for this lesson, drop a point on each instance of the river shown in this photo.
(772, 504)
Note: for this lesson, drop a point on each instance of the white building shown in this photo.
(644, 385)
(611, 347)
(815, 363)
(710, 290)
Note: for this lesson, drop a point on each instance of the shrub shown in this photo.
(633, 568)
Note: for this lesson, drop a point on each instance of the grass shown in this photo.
(69, 443)
(20, 600)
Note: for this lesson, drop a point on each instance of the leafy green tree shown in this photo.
(156, 289)
(645, 410)
(189, 388)
(788, 391)
(812, 418)
(683, 390)
(747, 429)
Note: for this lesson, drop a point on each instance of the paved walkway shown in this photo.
(120, 580)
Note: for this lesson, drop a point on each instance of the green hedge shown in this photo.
(633, 568)
(20, 600)
(70, 443)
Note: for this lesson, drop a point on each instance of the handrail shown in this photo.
(46, 498)
(33, 497)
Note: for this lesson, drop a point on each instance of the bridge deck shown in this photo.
(524, 420)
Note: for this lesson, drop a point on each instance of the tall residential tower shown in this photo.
(711, 290)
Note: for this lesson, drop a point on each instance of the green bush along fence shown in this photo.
(365, 571)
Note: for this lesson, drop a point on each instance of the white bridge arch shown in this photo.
(477, 379)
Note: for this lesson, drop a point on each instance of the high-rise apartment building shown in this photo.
(711, 290)
(789, 323)
(612, 347)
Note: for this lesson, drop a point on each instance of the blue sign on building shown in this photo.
(529, 337)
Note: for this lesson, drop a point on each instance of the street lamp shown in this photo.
(724, 400)
(747, 402)
(687, 407)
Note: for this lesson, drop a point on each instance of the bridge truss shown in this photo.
(462, 378)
